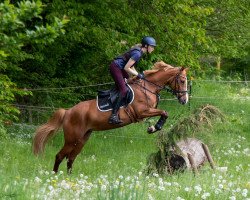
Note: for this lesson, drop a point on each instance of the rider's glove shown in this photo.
(141, 76)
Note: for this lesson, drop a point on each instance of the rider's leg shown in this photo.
(118, 76)
(114, 118)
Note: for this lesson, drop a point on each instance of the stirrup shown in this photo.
(114, 119)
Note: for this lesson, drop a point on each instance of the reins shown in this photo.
(168, 89)
(156, 94)
(146, 89)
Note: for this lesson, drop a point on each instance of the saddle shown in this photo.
(106, 98)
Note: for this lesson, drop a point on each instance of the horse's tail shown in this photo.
(46, 131)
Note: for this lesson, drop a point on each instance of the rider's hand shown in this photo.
(141, 76)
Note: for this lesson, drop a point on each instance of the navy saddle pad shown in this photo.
(106, 98)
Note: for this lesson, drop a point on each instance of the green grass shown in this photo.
(112, 163)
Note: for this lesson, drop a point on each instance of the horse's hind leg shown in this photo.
(67, 148)
(77, 149)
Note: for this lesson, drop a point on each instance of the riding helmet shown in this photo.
(148, 41)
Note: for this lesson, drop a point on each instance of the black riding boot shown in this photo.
(114, 118)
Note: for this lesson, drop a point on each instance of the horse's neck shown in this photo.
(163, 77)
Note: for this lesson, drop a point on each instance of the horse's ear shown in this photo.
(184, 69)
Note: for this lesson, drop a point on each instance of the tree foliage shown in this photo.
(21, 28)
(38, 50)
(228, 27)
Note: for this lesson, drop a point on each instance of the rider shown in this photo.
(123, 66)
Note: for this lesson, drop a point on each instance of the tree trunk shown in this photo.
(218, 63)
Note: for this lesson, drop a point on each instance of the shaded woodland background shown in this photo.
(60, 44)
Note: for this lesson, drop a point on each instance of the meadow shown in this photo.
(112, 164)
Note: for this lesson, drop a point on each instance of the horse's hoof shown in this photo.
(151, 129)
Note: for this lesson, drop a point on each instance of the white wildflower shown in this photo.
(167, 183)
(50, 188)
(103, 187)
(238, 168)
(88, 187)
(120, 177)
(175, 184)
(232, 198)
(93, 157)
(150, 197)
(41, 172)
(128, 178)
(161, 188)
(230, 184)
(244, 192)
(217, 191)
(198, 189)
(205, 195)
(38, 180)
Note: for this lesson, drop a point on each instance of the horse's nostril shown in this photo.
(183, 101)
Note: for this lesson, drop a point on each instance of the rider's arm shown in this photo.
(129, 67)
(133, 68)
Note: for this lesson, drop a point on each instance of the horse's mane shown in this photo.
(158, 66)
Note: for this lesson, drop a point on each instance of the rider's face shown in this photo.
(150, 48)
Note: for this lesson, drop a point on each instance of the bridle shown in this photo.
(177, 84)
(174, 91)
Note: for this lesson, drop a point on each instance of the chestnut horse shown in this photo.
(79, 121)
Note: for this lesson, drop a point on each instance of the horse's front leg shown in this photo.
(158, 126)
(156, 112)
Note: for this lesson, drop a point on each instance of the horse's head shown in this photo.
(163, 74)
(179, 85)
